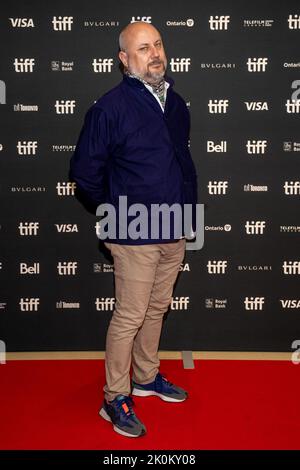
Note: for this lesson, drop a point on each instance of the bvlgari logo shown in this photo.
(100, 23)
(217, 66)
(28, 189)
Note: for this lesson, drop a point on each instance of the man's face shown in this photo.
(145, 55)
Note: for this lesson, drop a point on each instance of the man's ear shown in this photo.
(123, 58)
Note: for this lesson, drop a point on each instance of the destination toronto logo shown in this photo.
(154, 222)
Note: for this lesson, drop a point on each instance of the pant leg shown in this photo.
(145, 361)
(134, 268)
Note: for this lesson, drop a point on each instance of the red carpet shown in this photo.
(232, 405)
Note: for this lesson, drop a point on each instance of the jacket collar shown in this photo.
(135, 82)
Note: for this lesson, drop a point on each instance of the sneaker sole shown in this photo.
(104, 415)
(147, 393)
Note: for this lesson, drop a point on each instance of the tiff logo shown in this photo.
(27, 147)
(291, 267)
(217, 187)
(292, 106)
(105, 303)
(180, 65)
(255, 227)
(29, 304)
(257, 64)
(217, 23)
(294, 21)
(218, 106)
(65, 106)
(180, 303)
(28, 228)
(292, 188)
(254, 303)
(26, 269)
(66, 189)
(102, 65)
(67, 268)
(216, 267)
(256, 146)
(62, 23)
(145, 19)
(24, 65)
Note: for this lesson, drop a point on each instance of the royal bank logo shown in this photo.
(292, 188)
(219, 23)
(218, 228)
(189, 23)
(291, 268)
(216, 266)
(145, 19)
(26, 268)
(66, 228)
(257, 147)
(21, 22)
(62, 66)
(217, 187)
(254, 303)
(218, 106)
(180, 64)
(61, 304)
(291, 146)
(65, 188)
(105, 304)
(102, 65)
(256, 105)
(289, 228)
(255, 188)
(29, 304)
(290, 303)
(257, 64)
(27, 147)
(180, 303)
(292, 106)
(62, 23)
(103, 268)
(255, 227)
(19, 107)
(24, 65)
(65, 106)
(293, 21)
(216, 303)
(255, 268)
(67, 268)
(28, 229)
(258, 23)
(212, 147)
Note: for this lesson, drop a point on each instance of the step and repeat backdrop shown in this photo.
(237, 65)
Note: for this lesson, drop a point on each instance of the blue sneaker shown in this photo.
(160, 387)
(124, 420)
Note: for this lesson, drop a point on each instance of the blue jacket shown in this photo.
(129, 146)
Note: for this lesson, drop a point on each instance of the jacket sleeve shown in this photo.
(88, 164)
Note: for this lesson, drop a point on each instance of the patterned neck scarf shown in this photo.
(158, 88)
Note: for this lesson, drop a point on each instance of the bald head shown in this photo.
(142, 51)
(132, 30)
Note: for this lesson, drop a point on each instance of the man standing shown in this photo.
(134, 143)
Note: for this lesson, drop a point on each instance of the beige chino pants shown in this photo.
(144, 280)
